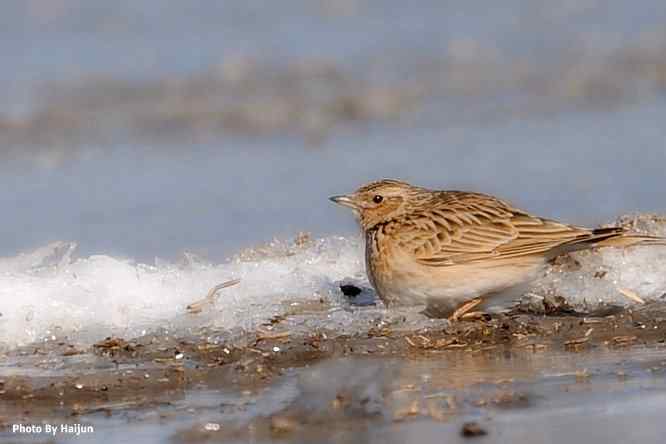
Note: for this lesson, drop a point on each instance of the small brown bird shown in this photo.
(453, 250)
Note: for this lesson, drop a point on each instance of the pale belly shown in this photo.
(401, 281)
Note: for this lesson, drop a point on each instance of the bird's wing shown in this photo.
(467, 227)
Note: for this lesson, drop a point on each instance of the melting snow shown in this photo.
(45, 294)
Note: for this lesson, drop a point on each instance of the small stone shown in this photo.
(282, 425)
(472, 430)
(212, 427)
(350, 290)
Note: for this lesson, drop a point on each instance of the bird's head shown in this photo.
(378, 201)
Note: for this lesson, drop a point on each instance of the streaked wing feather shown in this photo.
(468, 227)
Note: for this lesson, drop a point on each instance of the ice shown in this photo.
(56, 254)
(47, 294)
(619, 276)
(610, 276)
(43, 298)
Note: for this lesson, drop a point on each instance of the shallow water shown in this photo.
(540, 397)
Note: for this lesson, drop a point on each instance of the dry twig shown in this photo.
(197, 307)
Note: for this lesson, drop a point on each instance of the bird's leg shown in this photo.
(465, 308)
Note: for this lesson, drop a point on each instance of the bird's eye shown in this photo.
(377, 199)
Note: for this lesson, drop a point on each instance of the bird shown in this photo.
(453, 251)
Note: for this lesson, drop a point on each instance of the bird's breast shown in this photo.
(390, 270)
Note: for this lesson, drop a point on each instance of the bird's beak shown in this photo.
(344, 201)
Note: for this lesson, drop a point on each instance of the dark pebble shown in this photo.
(472, 429)
(350, 290)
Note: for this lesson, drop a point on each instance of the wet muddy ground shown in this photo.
(466, 379)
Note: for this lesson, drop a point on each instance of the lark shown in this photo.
(453, 250)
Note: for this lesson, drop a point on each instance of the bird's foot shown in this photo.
(475, 316)
(465, 309)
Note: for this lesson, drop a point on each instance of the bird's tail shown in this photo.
(621, 237)
(610, 237)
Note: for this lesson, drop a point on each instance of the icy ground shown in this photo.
(46, 293)
(612, 275)
(49, 294)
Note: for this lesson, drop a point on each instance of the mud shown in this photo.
(63, 380)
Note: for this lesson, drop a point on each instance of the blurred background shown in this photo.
(144, 128)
